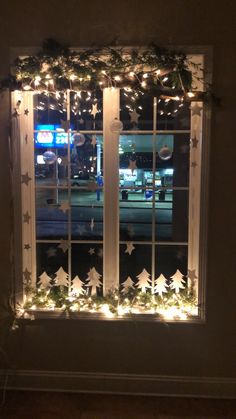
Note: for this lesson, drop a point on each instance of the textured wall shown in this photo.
(204, 350)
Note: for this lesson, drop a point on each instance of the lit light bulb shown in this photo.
(158, 72)
(117, 78)
(73, 77)
(165, 79)
(131, 74)
(144, 84)
(190, 94)
(145, 75)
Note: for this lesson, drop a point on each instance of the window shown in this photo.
(110, 201)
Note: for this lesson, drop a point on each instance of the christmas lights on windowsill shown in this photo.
(171, 306)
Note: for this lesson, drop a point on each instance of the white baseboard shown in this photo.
(129, 384)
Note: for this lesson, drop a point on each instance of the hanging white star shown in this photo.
(64, 245)
(64, 206)
(134, 116)
(80, 229)
(26, 217)
(132, 165)
(196, 110)
(91, 251)
(130, 247)
(25, 178)
(92, 224)
(100, 252)
(51, 252)
(94, 110)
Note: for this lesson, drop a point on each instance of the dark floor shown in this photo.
(48, 405)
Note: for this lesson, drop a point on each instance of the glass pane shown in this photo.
(87, 265)
(136, 263)
(172, 160)
(136, 110)
(86, 110)
(173, 115)
(49, 108)
(52, 212)
(50, 258)
(51, 163)
(171, 215)
(169, 259)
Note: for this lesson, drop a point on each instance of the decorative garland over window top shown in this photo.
(156, 70)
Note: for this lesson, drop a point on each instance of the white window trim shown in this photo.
(199, 178)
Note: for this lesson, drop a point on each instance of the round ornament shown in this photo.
(49, 157)
(165, 153)
(116, 125)
(79, 139)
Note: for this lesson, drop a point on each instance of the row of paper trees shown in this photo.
(93, 282)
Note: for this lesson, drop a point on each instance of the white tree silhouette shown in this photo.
(143, 280)
(160, 285)
(177, 281)
(45, 280)
(93, 280)
(61, 278)
(128, 283)
(77, 286)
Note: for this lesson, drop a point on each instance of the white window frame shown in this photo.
(23, 167)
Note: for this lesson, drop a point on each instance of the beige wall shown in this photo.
(191, 350)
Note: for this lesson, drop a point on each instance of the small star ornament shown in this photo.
(129, 248)
(94, 110)
(80, 229)
(26, 217)
(27, 246)
(192, 274)
(26, 112)
(27, 276)
(194, 142)
(25, 178)
(134, 117)
(64, 206)
(194, 164)
(91, 251)
(196, 110)
(64, 245)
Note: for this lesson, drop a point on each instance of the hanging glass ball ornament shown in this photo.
(79, 139)
(165, 153)
(116, 125)
(49, 157)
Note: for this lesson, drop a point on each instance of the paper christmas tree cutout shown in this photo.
(93, 280)
(160, 285)
(143, 280)
(77, 286)
(45, 280)
(61, 278)
(128, 283)
(177, 283)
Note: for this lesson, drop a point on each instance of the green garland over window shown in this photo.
(158, 71)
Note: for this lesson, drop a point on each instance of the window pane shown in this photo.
(52, 212)
(86, 110)
(169, 259)
(171, 215)
(136, 110)
(135, 260)
(49, 108)
(50, 258)
(51, 164)
(173, 115)
(87, 265)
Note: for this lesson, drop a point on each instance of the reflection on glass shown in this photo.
(86, 110)
(169, 259)
(49, 108)
(173, 115)
(50, 258)
(136, 110)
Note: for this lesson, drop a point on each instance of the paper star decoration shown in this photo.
(91, 251)
(81, 121)
(130, 247)
(65, 125)
(194, 164)
(64, 245)
(27, 246)
(132, 165)
(25, 178)
(27, 276)
(26, 139)
(194, 142)
(26, 217)
(26, 112)
(64, 206)
(94, 141)
(100, 252)
(196, 110)
(92, 224)
(51, 252)
(134, 117)
(192, 274)
(80, 229)
(94, 110)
